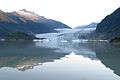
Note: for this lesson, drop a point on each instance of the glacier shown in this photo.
(67, 35)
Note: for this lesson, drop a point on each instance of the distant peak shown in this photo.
(25, 11)
(1, 10)
(29, 15)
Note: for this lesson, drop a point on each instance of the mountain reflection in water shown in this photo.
(77, 56)
(25, 55)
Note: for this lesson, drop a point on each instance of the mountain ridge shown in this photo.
(18, 22)
(91, 25)
(109, 27)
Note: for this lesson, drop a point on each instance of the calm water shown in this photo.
(59, 61)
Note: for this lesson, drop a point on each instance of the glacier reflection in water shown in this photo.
(59, 61)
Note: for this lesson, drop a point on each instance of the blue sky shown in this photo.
(70, 12)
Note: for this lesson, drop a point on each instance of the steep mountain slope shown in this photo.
(27, 21)
(109, 27)
(5, 18)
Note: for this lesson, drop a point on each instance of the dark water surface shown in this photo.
(59, 61)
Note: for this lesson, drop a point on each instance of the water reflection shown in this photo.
(110, 57)
(72, 61)
(83, 49)
(25, 55)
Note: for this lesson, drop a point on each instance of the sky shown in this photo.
(71, 12)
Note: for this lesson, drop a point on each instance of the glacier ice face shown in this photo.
(65, 35)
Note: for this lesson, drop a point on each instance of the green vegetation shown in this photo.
(19, 36)
(115, 39)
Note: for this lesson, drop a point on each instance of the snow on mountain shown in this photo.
(25, 16)
(30, 15)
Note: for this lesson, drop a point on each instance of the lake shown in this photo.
(59, 61)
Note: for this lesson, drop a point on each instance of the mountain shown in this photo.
(84, 31)
(109, 27)
(92, 25)
(27, 21)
